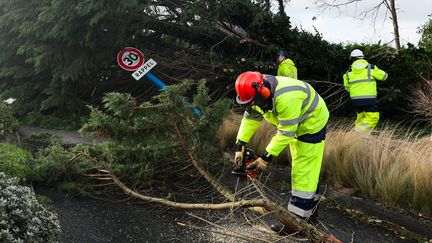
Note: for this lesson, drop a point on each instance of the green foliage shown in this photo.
(66, 52)
(8, 122)
(144, 140)
(49, 163)
(72, 122)
(426, 36)
(407, 70)
(49, 168)
(14, 161)
(22, 218)
(143, 143)
(46, 202)
(44, 138)
(56, 44)
(37, 141)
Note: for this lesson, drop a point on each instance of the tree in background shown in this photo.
(59, 56)
(426, 35)
(371, 12)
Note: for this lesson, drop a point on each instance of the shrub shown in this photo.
(49, 163)
(14, 161)
(22, 218)
(8, 122)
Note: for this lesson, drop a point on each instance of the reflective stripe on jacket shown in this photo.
(297, 110)
(360, 79)
(287, 69)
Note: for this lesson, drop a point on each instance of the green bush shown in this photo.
(67, 122)
(48, 168)
(49, 163)
(14, 161)
(22, 218)
(8, 122)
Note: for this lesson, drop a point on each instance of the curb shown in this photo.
(414, 224)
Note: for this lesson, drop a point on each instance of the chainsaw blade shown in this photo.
(240, 172)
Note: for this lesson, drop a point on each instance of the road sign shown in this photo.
(138, 74)
(130, 59)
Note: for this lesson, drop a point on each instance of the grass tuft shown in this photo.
(393, 167)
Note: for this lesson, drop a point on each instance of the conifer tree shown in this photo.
(58, 56)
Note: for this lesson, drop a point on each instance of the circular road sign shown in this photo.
(130, 59)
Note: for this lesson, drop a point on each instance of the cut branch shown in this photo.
(192, 206)
(162, 201)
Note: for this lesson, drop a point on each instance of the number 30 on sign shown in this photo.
(130, 59)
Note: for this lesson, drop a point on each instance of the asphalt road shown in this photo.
(91, 220)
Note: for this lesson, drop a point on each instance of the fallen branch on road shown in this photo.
(261, 205)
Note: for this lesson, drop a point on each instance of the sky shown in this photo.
(343, 25)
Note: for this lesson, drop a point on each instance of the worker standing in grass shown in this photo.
(286, 66)
(300, 115)
(360, 82)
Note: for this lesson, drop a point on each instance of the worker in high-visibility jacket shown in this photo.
(300, 115)
(360, 82)
(286, 66)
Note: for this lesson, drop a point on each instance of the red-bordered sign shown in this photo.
(130, 59)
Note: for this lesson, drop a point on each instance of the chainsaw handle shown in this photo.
(248, 157)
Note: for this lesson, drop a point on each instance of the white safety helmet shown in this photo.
(356, 53)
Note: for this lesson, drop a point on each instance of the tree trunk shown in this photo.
(392, 8)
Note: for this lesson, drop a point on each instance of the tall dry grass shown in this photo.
(392, 168)
(228, 132)
(421, 99)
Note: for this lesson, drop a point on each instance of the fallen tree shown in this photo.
(190, 140)
(262, 205)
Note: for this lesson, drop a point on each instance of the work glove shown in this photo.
(239, 154)
(258, 166)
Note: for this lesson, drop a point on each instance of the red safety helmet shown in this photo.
(248, 85)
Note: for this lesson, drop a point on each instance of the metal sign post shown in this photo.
(132, 59)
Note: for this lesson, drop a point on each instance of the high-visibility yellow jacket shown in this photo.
(297, 110)
(360, 79)
(287, 69)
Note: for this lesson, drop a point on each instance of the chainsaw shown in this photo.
(242, 171)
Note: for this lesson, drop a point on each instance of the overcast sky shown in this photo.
(342, 26)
